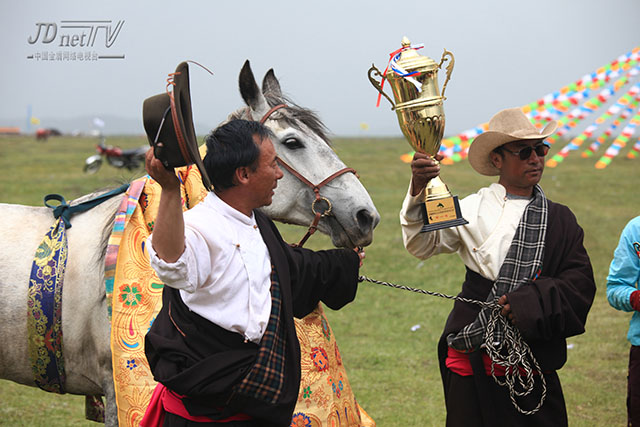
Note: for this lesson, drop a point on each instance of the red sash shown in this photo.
(458, 362)
(164, 400)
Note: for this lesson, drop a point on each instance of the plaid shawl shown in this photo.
(265, 381)
(522, 265)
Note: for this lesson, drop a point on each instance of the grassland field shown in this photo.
(392, 367)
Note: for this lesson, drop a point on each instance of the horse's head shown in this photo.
(301, 142)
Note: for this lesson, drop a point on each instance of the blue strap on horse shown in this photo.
(65, 211)
(44, 299)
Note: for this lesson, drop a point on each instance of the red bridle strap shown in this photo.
(270, 112)
(316, 188)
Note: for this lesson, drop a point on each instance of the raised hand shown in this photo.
(423, 169)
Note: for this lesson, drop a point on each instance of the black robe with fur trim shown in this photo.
(546, 312)
(196, 358)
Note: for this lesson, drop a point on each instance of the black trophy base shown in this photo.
(442, 213)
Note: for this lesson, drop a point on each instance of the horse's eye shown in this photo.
(292, 143)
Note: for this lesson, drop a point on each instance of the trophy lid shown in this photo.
(410, 60)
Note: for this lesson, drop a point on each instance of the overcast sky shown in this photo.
(507, 53)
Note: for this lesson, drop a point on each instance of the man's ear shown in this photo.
(241, 175)
(496, 159)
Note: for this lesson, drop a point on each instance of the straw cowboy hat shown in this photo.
(506, 126)
(167, 119)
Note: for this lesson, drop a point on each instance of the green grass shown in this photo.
(393, 370)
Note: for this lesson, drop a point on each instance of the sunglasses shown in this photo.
(540, 149)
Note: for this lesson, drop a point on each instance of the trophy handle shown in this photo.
(377, 85)
(449, 67)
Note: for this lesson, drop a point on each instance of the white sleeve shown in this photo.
(424, 245)
(190, 270)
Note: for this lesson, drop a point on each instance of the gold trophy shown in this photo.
(414, 82)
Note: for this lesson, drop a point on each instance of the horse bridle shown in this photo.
(315, 187)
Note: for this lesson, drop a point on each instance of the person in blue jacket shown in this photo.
(623, 294)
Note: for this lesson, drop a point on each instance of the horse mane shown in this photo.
(293, 115)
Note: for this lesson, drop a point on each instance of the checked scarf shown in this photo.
(521, 266)
(266, 378)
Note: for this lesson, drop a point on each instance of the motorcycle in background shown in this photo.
(116, 157)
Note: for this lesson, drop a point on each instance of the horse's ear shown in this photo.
(251, 92)
(271, 85)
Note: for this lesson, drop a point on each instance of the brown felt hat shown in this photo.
(167, 119)
(506, 126)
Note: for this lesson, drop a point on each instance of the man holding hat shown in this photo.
(224, 347)
(521, 250)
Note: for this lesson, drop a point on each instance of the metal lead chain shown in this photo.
(435, 294)
(519, 356)
(515, 355)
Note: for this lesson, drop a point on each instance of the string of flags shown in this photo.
(630, 98)
(570, 106)
(624, 115)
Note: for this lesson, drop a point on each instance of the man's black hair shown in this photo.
(231, 146)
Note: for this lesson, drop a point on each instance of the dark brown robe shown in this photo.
(196, 358)
(546, 312)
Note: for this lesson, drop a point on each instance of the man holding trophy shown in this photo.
(522, 252)
(519, 248)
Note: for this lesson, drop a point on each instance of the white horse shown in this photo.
(300, 140)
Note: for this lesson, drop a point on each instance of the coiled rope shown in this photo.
(513, 353)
